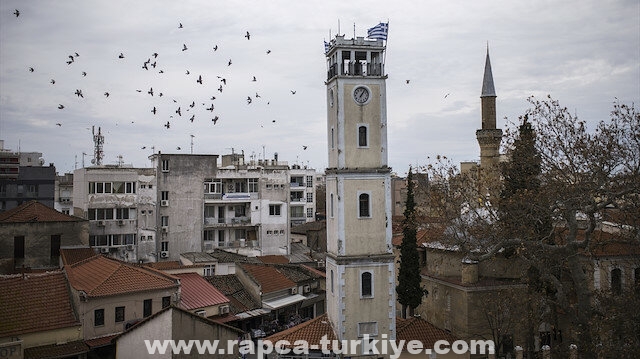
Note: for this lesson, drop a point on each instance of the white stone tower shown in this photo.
(360, 265)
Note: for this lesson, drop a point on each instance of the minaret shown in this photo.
(489, 137)
(360, 265)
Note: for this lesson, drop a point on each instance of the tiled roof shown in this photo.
(100, 341)
(166, 265)
(296, 273)
(309, 226)
(269, 278)
(34, 211)
(34, 303)
(273, 259)
(56, 350)
(317, 272)
(229, 257)
(310, 331)
(101, 276)
(232, 288)
(196, 292)
(430, 234)
(419, 329)
(71, 256)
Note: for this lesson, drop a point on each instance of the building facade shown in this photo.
(359, 265)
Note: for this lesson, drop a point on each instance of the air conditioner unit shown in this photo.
(307, 288)
(130, 247)
(165, 229)
(164, 203)
(224, 309)
(101, 223)
(202, 313)
(121, 222)
(104, 250)
(164, 254)
(294, 290)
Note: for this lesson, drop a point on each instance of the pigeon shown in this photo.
(304, 148)
(268, 52)
(257, 95)
(16, 13)
(60, 106)
(215, 48)
(121, 56)
(254, 79)
(445, 96)
(167, 125)
(293, 92)
(77, 55)
(154, 110)
(188, 72)
(192, 118)
(215, 119)
(184, 47)
(248, 36)
(31, 69)
(248, 100)
(160, 94)
(210, 108)
(59, 124)
(180, 26)
(79, 93)
(229, 62)
(84, 73)
(178, 148)
(220, 88)
(199, 80)
(179, 112)
(106, 94)
(150, 92)
(224, 81)
(53, 82)
(193, 103)
(155, 55)
(408, 81)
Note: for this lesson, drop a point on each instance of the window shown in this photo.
(165, 165)
(332, 281)
(309, 212)
(164, 246)
(253, 185)
(130, 238)
(147, 307)
(368, 328)
(363, 139)
(164, 195)
(164, 220)
(297, 211)
(309, 197)
(331, 206)
(166, 301)
(363, 205)
(221, 239)
(209, 270)
(616, 281)
(240, 210)
(130, 187)
(119, 315)
(366, 285)
(55, 245)
(332, 138)
(309, 181)
(98, 317)
(122, 213)
(212, 186)
(18, 247)
(274, 209)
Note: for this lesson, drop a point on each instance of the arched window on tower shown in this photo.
(363, 138)
(363, 205)
(616, 281)
(366, 285)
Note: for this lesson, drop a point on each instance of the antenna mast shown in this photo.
(98, 141)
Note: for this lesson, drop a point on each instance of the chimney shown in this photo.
(469, 271)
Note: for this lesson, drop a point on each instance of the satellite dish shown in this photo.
(93, 161)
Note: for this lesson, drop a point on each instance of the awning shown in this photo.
(252, 313)
(283, 302)
(310, 299)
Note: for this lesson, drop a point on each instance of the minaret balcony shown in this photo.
(355, 69)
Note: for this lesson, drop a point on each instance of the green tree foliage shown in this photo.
(409, 291)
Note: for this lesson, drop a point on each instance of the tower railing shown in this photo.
(355, 69)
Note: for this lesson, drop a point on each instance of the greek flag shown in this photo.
(379, 31)
(326, 47)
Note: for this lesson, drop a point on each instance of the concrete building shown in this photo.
(360, 264)
(302, 184)
(63, 197)
(23, 177)
(32, 234)
(120, 204)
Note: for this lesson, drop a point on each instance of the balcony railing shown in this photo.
(217, 222)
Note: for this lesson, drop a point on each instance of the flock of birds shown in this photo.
(189, 110)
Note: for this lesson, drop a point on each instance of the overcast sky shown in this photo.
(583, 53)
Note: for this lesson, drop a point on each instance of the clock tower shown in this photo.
(360, 264)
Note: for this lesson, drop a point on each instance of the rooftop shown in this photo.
(196, 292)
(26, 309)
(232, 288)
(101, 276)
(34, 211)
(268, 277)
(71, 256)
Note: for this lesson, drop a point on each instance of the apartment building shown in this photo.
(302, 195)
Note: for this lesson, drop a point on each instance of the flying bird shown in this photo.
(121, 56)
(257, 95)
(161, 71)
(229, 62)
(223, 80)
(254, 79)
(192, 118)
(213, 98)
(180, 26)
(184, 47)
(215, 119)
(248, 36)
(445, 96)
(138, 90)
(199, 80)
(167, 125)
(59, 124)
(304, 148)
(106, 94)
(31, 69)
(53, 82)
(154, 110)
(160, 94)
(155, 55)
(71, 58)
(215, 48)
(79, 93)
(248, 100)
(210, 108)
(187, 72)
(143, 147)
(293, 92)
(16, 13)
(77, 55)
(220, 88)
(150, 92)
(84, 73)
(178, 148)
(60, 106)
(193, 103)
(408, 81)
(144, 66)
(268, 52)
(179, 112)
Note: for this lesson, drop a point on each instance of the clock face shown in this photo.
(361, 95)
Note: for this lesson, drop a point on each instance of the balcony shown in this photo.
(227, 222)
(238, 197)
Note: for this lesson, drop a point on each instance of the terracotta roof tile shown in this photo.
(310, 331)
(232, 288)
(34, 211)
(167, 265)
(196, 292)
(100, 341)
(101, 276)
(56, 350)
(71, 256)
(25, 308)
(269, 278)
(419, 329)
(273, 259)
